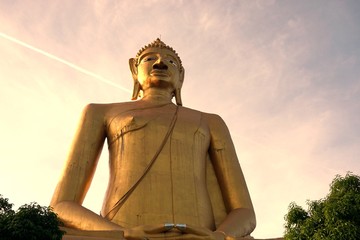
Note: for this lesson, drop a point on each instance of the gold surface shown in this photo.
(75, 234)
(168, 163)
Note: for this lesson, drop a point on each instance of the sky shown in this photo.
(284, 75)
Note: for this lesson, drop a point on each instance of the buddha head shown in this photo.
(157, 65)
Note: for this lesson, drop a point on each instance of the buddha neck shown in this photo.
(157, 96)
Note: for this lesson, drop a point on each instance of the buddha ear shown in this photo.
(177, 92)
(133, 68)
(136, 90)
(181, 78)
(134, 72)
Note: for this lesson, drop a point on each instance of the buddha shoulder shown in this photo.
(210, 118)
(102, 111)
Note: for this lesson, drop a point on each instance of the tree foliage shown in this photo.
(30, 221)
(335, 217)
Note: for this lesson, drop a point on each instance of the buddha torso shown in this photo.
(174, 189)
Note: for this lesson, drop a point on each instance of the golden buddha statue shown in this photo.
(174, 173)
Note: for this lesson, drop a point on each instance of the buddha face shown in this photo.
(158, 67)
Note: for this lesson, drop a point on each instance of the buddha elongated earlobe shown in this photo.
(177, 91)
(178, 96)
(137, 86)
(136, 90)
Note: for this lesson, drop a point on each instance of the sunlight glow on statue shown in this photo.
(174, 173)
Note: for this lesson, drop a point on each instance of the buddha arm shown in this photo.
(78, 173)
(240, 220)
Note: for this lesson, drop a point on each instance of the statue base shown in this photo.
(75, 234)
(71, 237)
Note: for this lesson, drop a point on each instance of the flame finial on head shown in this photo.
(159, 44)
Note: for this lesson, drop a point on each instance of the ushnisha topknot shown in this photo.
(159, 44)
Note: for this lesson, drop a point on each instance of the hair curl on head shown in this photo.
(159, 44)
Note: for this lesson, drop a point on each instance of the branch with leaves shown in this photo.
(30, 221)
(335, 217)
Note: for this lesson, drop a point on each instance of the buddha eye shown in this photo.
(147, 59)
(173, 62)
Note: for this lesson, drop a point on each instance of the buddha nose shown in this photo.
(160, 65)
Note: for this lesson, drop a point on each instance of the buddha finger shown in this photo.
(168, 226)
(199, 231)
(156, 228)
(190, 237)
(181, 227)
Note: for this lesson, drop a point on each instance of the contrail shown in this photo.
(49, 55)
